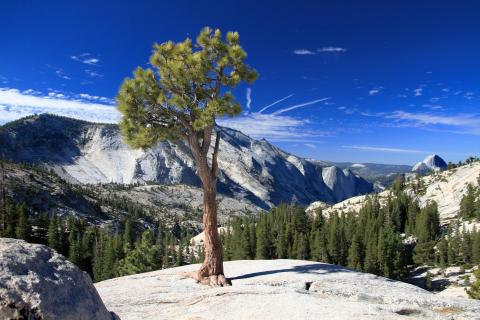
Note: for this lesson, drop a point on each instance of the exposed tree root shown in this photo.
(212, 281)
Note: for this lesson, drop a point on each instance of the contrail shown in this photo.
(274, 103)
(299, 106)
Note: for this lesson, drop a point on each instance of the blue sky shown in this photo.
(361, 81)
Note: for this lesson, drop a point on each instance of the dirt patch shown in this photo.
(448, 310)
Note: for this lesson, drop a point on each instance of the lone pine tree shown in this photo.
(180, 100)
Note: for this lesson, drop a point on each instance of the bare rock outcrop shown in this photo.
(278, 289)
(36, 282)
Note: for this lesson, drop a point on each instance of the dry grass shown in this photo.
(448, 310)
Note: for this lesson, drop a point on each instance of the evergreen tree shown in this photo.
(179, 261)
(412, 212)
(181, 100)
(11, 220)
(263, 239)
(466, 248)
(474, 291)
(23, 229)
(143, 258)
(127, 235)
(74, 253)
(108, 258)
(468, 203)
(97, 267)
(355, 253)
(476, 247)
(427, 229)
(443, 253)
(53, 234)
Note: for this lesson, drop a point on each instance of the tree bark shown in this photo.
(213, 263)
(211, 271)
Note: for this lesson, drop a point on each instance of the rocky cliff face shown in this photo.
(446, 188)
(253, 170)
(430, 163)
(38, 283)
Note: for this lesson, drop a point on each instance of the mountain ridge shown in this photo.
(254, 170)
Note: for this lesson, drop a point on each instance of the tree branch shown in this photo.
(207, 138)
(214, 156)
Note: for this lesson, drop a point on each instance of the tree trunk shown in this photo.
(213, 263)
(211, 271)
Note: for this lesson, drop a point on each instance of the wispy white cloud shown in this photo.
(85, 58)
(93, 73)
(433, 106)
(310, 145)
(275, 102)
(273, 127)
(385, 149)
(15, 104)
(31, 91)
(458, 123)
(332, 49)
(300, 105)
(86, 96)
(418, 92)
(303, 52)
(248, 97)
(429, 118)
(61, 74)
(375, 91)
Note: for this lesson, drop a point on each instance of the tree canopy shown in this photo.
(187, 89)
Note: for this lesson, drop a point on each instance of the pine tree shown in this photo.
(333, 239)
(97, 267)
(413, 210)
(474, 291)
(23, 229)
(263, 239)
(127, 235)
(476, 247)
(302, 247)
(53, 234)
(180, 258)
(143, 258)
(108, 258)
(74, 253)
(427, 229)
(443, 253)
(355, 253)
(11, 220)
(467, 204)
(181, 100)
(466, 248)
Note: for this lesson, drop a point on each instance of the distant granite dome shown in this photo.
(432, 162)
(252, 170)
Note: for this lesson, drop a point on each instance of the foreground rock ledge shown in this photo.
(38, 283)
(278, 289)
